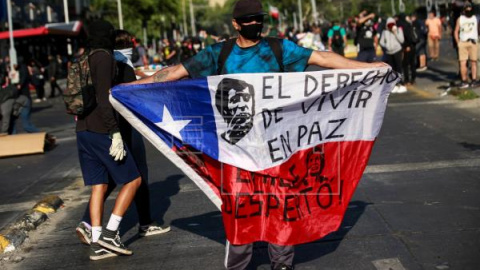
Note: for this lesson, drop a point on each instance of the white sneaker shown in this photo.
(402, 89)
(152, 229)
(37, 100)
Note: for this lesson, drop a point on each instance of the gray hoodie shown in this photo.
(391, 41)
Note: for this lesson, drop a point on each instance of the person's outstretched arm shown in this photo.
(335, 61)
(172, 73)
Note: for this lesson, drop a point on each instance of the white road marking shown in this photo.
(388, 264)
(422, 166)
(433, 102)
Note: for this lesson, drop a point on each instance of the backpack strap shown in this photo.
(277, 47)
(224, 53)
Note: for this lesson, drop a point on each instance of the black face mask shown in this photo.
(468, 13)
(251, 31)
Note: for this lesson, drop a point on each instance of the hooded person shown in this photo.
(134, 142)
(391, 41)
(102, 154)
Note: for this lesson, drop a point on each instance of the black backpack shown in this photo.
(337, 39)
(275, 44)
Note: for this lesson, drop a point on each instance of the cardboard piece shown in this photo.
(22, 144)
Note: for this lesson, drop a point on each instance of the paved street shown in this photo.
(417, 205)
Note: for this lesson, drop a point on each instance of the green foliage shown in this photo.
(160, 15)
(156, 14)
(464, 94)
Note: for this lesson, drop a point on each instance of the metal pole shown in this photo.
(65, 11)
(192, 20)
(12, 51)
(120, 15)
(295, 25)
(314, 13)
(185, 33)
(67, 20)
(300, 16)
(393, 7)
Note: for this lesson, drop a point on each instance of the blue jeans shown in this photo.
(25, 117)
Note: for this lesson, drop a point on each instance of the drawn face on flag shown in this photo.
(234, 101)
(315, 161)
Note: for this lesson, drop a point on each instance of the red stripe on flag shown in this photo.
(299, 201)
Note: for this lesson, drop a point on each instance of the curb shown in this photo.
(15, 234)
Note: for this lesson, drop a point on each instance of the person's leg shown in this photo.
(406, 70)
(142, 197)
(473, 61)
(125, 197)
(52, 88)
(60, 90)
(412, 65)
(463, 70)
(25, 117)
(96, 205)
(362, 56)
(473, 65)
(280, 255)
(86, 215)
(430, 48)
(372, 57)
(6, 108)
(437, 48)
(397, 59)
(237, 257)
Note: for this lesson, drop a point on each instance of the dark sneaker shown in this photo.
(111, 240)
(283, 267)
(152, 229)
(474, 83)
(84, 233)
(98, 252)
(464, 85)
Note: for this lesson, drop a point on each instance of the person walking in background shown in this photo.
(22, 85)
(53, 72)
(391, 41)
(139, 54)
(366, 38)
(434, 26)
(337, 39)
(134, 141)
(466, 36)
(410, 39)
(420, 29)
(36, 72)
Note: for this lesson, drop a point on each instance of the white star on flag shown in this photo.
(171, 126)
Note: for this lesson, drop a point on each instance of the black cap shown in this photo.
(247, 8)
(467, 5)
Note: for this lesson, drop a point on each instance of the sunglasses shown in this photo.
(256, 18)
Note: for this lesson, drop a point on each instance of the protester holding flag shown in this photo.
(101, 150)
(234, 98)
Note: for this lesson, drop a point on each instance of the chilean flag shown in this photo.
(279, 153)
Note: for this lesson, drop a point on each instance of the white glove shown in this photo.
(117, 151)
